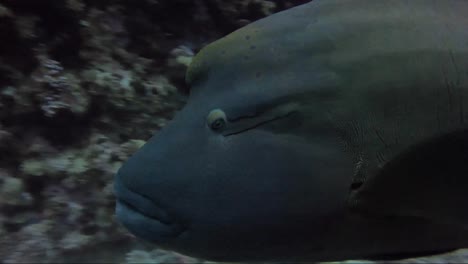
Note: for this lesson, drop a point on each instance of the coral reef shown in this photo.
(12, 191)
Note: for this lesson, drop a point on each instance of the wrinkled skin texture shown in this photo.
(324, 109)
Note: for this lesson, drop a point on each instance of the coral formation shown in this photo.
(12, 191)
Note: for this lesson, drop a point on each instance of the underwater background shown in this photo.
(83, 84)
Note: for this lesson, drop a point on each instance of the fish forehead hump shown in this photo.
(322, 44)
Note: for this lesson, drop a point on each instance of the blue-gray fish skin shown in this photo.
(334, 130)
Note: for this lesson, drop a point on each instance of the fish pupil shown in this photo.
(218, 124)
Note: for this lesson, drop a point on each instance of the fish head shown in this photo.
(248, 168)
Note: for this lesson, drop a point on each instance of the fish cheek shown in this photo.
(262, 170)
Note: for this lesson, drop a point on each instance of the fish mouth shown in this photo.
(143, 217)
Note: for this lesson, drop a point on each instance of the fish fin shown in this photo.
(428, 180)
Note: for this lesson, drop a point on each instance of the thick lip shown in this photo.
(143, 217)
(138, 203)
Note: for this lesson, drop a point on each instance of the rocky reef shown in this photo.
(83, 84)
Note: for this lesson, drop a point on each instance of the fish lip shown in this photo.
(161, 216)
(136, 211)
(145, 227)
(140, 203)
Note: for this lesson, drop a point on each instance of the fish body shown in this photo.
(334, 130)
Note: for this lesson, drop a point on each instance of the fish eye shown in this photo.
(216, 119)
